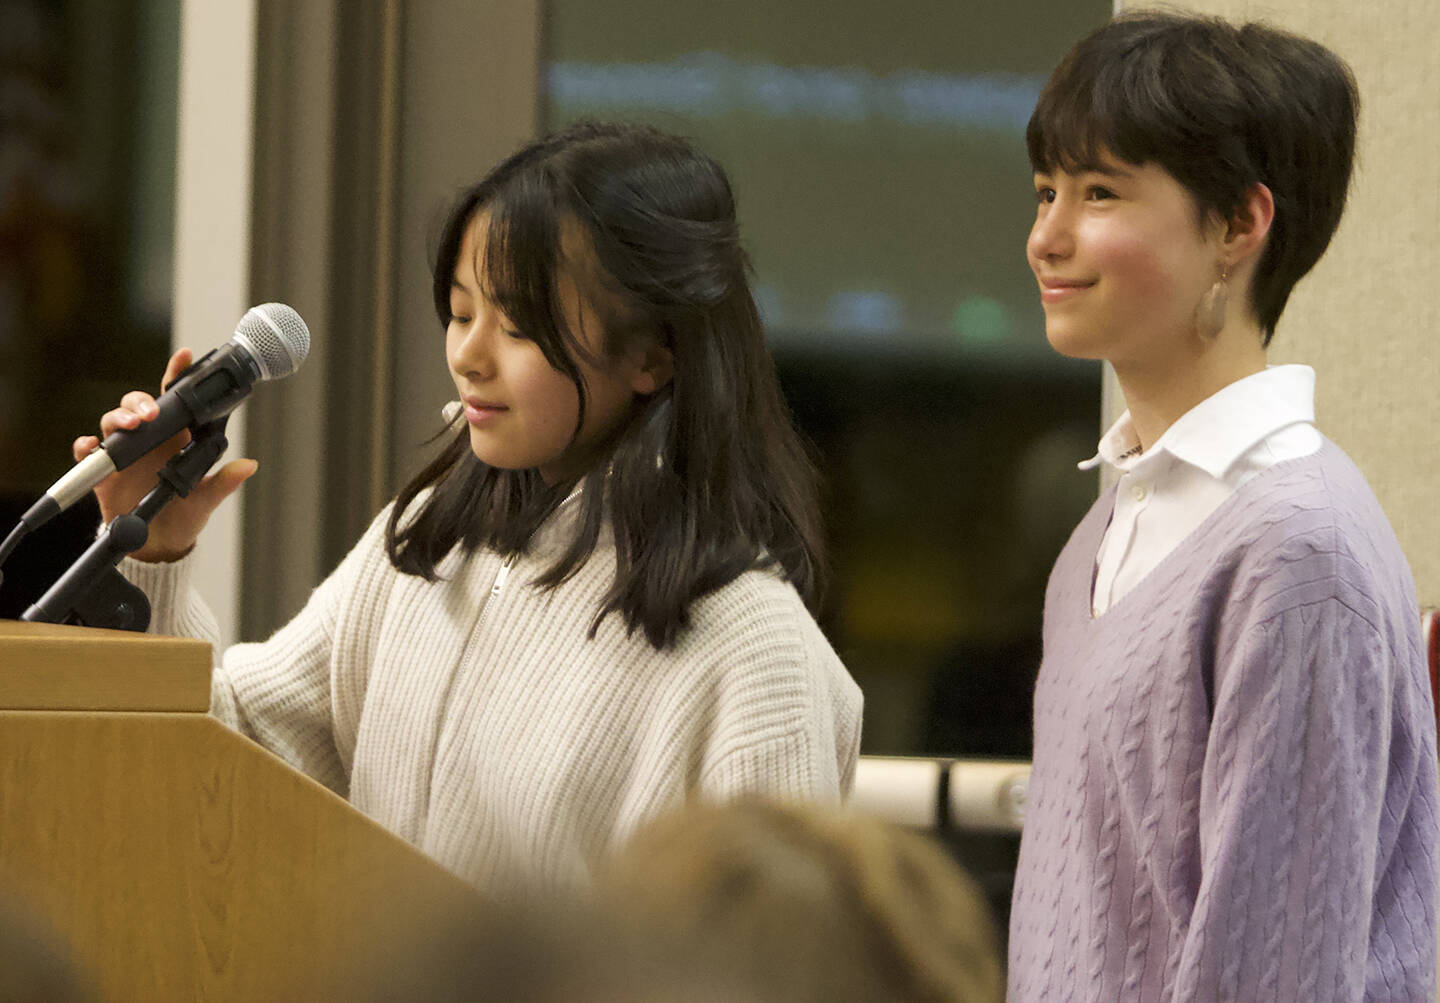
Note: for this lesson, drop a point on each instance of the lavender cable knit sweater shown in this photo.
(1234, 792)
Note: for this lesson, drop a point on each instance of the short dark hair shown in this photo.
(709, 478)
(1220, 107)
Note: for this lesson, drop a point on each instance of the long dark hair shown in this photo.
(708, 478)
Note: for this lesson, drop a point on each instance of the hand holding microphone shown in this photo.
(143, 433)
(174, 530)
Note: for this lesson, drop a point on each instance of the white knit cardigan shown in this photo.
(475, 718)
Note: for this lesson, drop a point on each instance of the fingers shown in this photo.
(224, 482)
(84, 446)
(135, 408)
(140, 402)
(179, 362)
(138, 406)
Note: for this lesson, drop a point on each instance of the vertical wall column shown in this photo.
(212, 234)
(369, 118)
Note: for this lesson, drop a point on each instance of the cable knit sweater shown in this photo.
(1234, 789)
(473, 716)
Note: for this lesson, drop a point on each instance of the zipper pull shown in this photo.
(501, 575)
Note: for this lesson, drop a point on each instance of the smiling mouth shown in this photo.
(480, 411)
(1055, 290)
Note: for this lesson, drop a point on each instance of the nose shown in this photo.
(470, 346)
(1052, 237)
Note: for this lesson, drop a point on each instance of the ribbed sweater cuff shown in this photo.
(167, 585)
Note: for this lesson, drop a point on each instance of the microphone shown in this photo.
(270, 342)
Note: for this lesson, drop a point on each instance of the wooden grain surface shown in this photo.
(47, 666)
(180, 861)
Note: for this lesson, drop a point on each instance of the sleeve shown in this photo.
(1303, 785)
(788, 726)
(278, 692)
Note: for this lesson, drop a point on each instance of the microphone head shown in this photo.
(276, 337)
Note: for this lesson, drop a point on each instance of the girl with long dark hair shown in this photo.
(592, 606)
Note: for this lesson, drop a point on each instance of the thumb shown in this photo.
(220, 485)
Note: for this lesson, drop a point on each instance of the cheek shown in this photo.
(553, 403)
(1135, 259)
(1147, 271)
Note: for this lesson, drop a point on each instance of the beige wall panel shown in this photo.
(471, 95)
(1367, 318)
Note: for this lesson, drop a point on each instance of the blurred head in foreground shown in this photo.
(35, 966)
(778, 902)
(747, 902)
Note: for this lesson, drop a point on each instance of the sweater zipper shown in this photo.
(496, 587)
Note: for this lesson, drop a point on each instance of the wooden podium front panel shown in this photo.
(182, 861)
(45, 666)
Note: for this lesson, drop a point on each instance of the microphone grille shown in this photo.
(277, 337)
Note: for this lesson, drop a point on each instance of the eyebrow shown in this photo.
(1106, 170)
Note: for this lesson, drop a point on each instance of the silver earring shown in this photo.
(1210, 313)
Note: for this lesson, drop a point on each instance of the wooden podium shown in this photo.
(176, 859)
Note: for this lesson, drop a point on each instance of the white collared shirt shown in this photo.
(1201, 460)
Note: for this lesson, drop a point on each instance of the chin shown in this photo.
(486, 453)
(1074, 344)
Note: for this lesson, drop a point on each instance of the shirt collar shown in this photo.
(1119, 446)
(1222, 428)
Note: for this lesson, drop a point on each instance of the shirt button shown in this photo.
(1138, 492)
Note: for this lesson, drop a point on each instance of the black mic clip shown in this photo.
(92, 592)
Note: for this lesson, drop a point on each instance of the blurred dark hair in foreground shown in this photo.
(35, 967)
(749, 901)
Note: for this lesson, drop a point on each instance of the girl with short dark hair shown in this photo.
(592, 605)
(1234, 787)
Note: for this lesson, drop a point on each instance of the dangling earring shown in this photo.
(1210, 313)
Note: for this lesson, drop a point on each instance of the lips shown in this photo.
(478, 410)
(1055, 290)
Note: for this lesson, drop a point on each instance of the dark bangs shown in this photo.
(1221, 108)
(470, 503)
(1160, 102)
(522, 254)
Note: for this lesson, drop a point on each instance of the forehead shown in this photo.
(473, 263)
(469, 268)
(1102, 163)
(1149, 176)
(506, 267)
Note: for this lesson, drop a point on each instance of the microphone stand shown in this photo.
(92, 593)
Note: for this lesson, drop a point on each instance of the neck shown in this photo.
(1159, 393)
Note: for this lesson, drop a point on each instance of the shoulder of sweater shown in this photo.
(370, 548)
(1319, 501)
(756, 618)
(759, 654)
(1316, 532)
(365, 565)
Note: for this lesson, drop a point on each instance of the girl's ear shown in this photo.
(654, 365)
(1248, 228)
